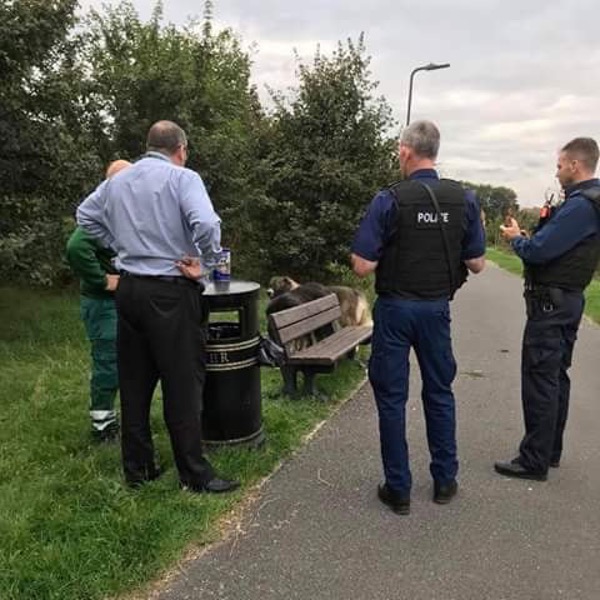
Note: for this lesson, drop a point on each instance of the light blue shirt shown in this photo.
(153, 214)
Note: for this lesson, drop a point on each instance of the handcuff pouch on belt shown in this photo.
(546, 298)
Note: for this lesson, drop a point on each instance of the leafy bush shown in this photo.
(326, 153)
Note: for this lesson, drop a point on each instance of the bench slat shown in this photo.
(293, 315)
(341, 340)
(301, 328)
(332, 348)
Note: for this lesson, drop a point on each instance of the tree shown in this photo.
(325, 153)
(496, 203)
(199, 78)
(47, 159)
(290, 186)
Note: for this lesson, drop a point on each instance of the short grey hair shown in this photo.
(165, 137)
(423, 137)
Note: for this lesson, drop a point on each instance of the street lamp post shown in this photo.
(429, 67)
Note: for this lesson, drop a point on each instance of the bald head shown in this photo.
(115, 166)
(165, 137)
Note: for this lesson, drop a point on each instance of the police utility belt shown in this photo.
(547, 298)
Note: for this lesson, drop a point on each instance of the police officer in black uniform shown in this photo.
(560, 259)
(419, 236)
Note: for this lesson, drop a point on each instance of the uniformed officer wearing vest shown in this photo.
(560, 259)
(420, 253)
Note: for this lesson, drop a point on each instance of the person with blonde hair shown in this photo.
(98, 280)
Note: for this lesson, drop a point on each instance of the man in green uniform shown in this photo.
(98, 281)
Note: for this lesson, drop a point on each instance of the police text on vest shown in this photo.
(431, 217)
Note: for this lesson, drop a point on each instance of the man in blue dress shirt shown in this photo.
(559, 259)
(419, 237)
(160, 221)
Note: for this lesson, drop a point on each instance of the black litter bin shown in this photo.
(232, 400)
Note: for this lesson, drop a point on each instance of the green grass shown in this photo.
(509, 261)
(69, 529)
(505, 259)
(592, 300)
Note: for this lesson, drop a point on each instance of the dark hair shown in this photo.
(165, 137)
(585, 150)
(423, 137)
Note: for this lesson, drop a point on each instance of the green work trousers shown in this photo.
(99, 316)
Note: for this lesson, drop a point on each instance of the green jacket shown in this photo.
(90, 262)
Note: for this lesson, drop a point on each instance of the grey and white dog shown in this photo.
(353, 303)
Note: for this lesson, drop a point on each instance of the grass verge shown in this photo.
(509, 261)
(69, 528)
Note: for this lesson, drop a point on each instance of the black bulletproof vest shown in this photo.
(574, 269)
(414, 261)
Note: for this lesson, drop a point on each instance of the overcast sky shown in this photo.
(524, 76)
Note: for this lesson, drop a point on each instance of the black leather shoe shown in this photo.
(517, 470)
(399, 503)
(443, 494)
(553, 463)
(214, 486)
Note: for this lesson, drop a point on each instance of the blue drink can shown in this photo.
(222, 270)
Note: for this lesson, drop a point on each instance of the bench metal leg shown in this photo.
(310, 389)
(290, 384)
(309, 383)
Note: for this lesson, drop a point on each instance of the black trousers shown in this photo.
(553, 317)
(162, 336)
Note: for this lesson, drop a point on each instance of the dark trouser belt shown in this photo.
(167, 278)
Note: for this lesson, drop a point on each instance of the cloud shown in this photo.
(523, 79)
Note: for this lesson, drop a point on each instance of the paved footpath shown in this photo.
(318, 531)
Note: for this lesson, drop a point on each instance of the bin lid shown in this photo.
(230, 288)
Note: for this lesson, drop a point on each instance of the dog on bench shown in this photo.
(289, 296)
(353, 303)
(287, 293)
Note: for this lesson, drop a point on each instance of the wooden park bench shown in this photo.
(313, 340)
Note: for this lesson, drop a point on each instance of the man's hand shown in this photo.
(112, 282)
(190, 267)
(475, 265)
(361, 266)
(511, 230)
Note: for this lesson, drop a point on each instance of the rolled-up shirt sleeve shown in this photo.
(91, 216)
(474, 241)
(370, 236)
(200, 215)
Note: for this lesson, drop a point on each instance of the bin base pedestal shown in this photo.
(231, 414)
(256, 440)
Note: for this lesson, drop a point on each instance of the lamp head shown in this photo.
(435, 67)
